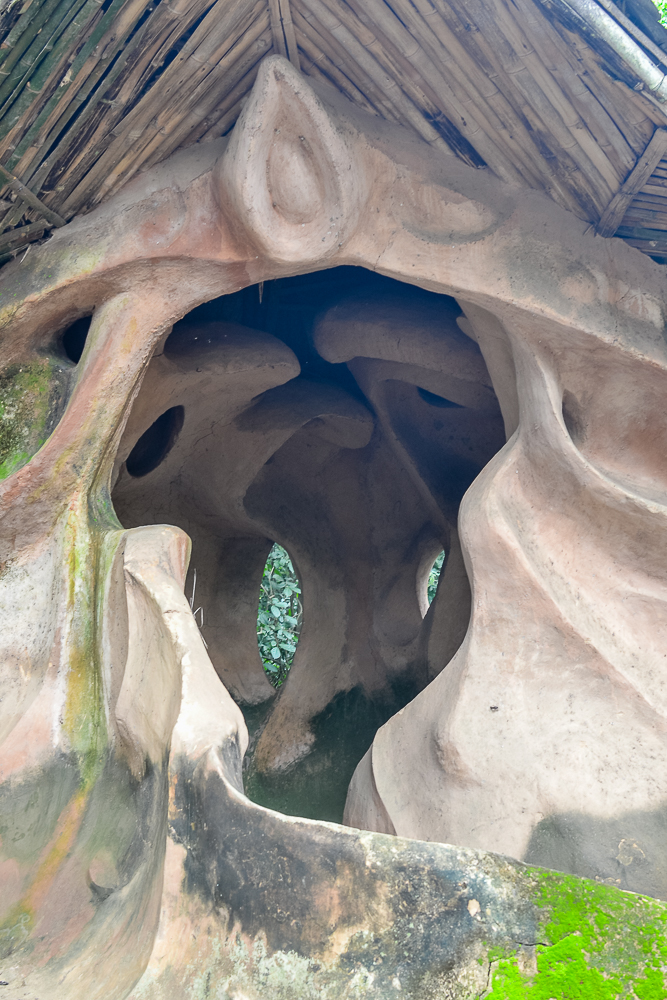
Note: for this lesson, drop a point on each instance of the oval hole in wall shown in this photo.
(74, 338)
(155, 444)
(434, 577)
(428, 576)
(279, 615)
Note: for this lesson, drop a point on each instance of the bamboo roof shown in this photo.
(93, 91)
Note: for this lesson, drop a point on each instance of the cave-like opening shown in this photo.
(340, 415)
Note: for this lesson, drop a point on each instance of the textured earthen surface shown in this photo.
(132, 863)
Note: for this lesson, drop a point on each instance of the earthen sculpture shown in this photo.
(522, 431)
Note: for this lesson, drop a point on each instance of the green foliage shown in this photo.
(434, 575)
(279, 616)
(280, 612)
(662, 7)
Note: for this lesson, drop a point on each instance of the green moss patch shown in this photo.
(595, 943)
(32, 398)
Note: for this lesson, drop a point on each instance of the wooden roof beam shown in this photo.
(610, 219)
(282, 30)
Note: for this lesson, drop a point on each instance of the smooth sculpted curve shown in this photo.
(132, 865)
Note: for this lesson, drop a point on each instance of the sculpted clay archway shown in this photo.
(134, 864)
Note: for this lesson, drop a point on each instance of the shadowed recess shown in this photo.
(155, 444)
(74, 338)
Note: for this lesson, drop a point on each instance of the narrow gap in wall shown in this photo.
(279, 615)
(434, 577)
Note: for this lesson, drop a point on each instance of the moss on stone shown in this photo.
(32, 397)
(84, 718)
(595, 942)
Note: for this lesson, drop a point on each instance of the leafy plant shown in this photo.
(279, 615)
(662, 7)
(434, 575)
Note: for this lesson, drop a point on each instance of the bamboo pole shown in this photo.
(108, 34)
(177, 131)
(25, 31)
(392, 61)
(338, 56)
(569, 71)
(405, 107)
(26, 195)
(18, 238)
(529, 91)
(556, 97)
(578, 191)
(279, 44)
(103, 134)
(658, 236)
(128, 73)
(227, 113)
(415, 23)
(444, 24)
(14, 215)
(226, 123)
(207, 129)
(106, 171)
(602, 127)
(217, 33)
(18, 65)
(448, 89)
(288, 30)
(646, 202)
(52, 123)
(327, 68)
(508, 128)
(28, 89)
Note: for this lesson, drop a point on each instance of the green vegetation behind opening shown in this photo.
(279, 615)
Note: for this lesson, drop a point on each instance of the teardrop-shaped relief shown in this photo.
(289, 176)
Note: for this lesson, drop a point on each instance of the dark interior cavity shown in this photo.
(341, 415)
(155, 444)
(74, 338)
(434, 400)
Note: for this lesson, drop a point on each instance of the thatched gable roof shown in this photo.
(541, 92)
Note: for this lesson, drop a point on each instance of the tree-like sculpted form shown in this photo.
(132, 864)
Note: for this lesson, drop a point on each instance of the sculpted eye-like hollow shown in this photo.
(74, 338)
(155, 444)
